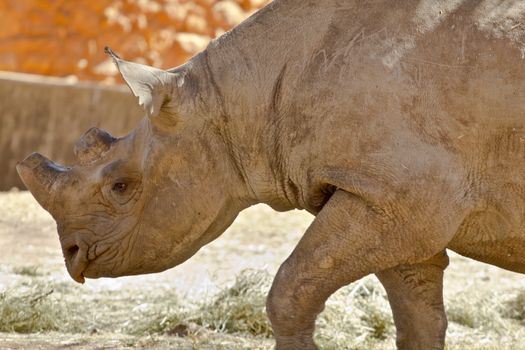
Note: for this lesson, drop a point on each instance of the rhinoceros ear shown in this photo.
(152, 86)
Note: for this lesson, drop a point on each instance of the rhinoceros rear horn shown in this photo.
(39, 174)
(152, 86)
(92, 145)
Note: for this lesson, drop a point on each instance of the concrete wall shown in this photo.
(48, 115)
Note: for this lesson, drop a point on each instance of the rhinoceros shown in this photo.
(399, 124)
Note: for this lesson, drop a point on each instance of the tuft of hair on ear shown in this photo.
(111, 53)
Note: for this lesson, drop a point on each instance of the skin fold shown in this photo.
(399, 124)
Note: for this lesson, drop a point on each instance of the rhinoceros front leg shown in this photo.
(415, 293)
(349, 239)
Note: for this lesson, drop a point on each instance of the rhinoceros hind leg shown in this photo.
(349, 239)
(415, 293)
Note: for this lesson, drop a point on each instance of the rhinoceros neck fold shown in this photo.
(254, 71)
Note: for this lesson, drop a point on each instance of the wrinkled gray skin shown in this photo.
(399, 124)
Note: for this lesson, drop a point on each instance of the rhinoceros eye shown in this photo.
(120, 187)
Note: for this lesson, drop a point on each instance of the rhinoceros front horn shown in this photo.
(92, 145)
(39, 174)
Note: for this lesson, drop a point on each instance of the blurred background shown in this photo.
(56, 82)
(66, 38)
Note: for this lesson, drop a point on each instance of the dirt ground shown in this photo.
(259, 239)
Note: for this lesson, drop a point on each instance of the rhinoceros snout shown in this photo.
(39, 174)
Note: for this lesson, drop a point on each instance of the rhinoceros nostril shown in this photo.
(72, 251)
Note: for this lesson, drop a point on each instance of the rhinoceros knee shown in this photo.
(281, 310)
(292, 304)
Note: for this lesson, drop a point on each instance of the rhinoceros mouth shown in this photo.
(75, 256)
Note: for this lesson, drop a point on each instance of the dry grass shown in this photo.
(210, 303)
(356, 317)
(30, 308)
(29, 270)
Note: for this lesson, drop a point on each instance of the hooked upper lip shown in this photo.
(78, 255)
(75, 256)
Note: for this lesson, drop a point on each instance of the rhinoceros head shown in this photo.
(145, 202)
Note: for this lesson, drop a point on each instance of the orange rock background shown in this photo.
(66, 38)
